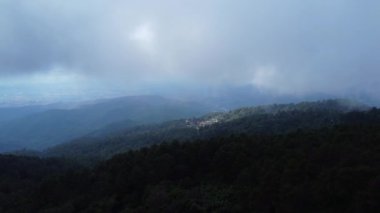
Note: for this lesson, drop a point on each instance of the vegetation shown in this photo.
(322, 169)
(272, 119)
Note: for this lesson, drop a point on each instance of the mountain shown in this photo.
(11, 113)
(334, 169)
(270, 119)
(234, 97)
(52, 127)
(8, 114)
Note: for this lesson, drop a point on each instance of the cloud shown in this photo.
(287, 46)
(143, 36)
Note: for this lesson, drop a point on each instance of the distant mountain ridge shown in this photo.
(337, 105)
(51, 127)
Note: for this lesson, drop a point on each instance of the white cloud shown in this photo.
(144, 37)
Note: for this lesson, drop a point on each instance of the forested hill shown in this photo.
(334, 169)
(271, 119)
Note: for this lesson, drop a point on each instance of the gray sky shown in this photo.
(57, 48)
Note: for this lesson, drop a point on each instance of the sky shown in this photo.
(68, 49)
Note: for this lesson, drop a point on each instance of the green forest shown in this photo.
(304, 163)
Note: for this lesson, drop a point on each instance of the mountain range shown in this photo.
(266, 119)
(38, 128)
(308, 157)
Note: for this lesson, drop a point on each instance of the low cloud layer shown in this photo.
(282, 46)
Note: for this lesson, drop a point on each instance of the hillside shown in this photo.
(271, 119)
(52, 127)
(333, 169)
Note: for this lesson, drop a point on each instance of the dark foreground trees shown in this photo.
(328, 170)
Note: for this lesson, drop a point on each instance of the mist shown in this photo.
(55, 50)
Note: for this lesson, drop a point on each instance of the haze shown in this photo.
(59, 50)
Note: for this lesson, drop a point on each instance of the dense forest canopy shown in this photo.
(311, 168)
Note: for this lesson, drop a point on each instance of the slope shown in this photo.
(323, 170)
(41, 130)
(262, 119)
